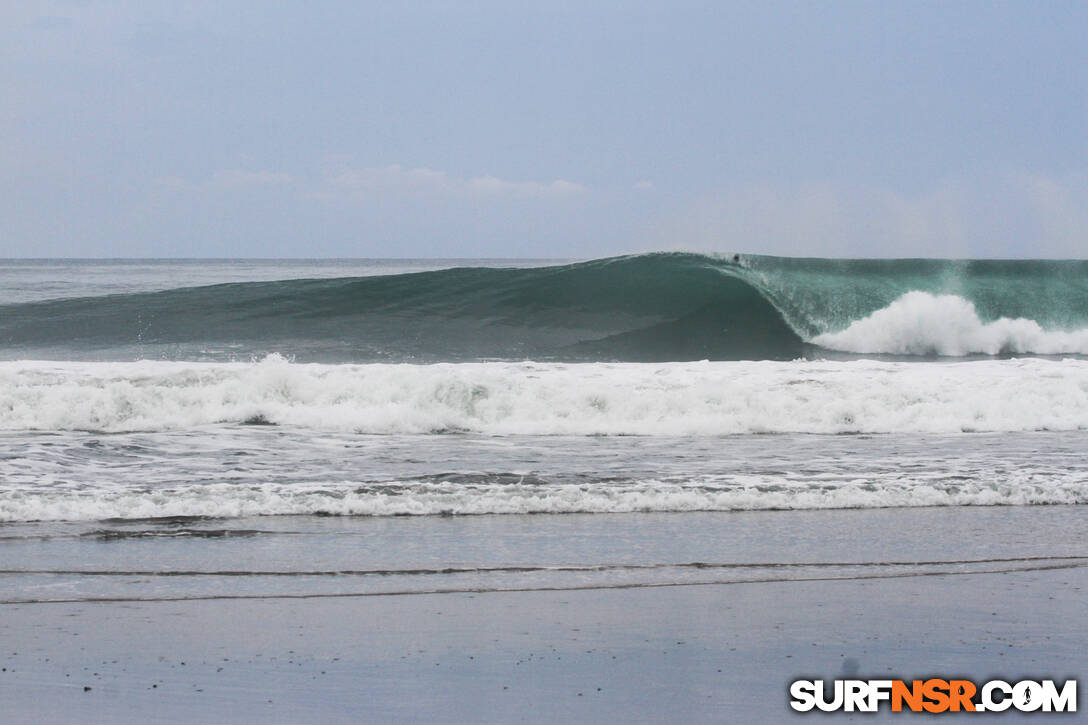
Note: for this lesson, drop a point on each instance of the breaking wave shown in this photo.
(919, 323)
(643, 308)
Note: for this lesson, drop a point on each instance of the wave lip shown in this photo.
(682, 399)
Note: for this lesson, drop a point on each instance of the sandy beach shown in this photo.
(1008, 601)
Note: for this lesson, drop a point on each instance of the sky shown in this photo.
(543, 129)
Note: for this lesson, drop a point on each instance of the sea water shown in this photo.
(249, 428)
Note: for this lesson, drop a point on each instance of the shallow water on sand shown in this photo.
(319, 556)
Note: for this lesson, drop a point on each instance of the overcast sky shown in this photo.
(547, 129)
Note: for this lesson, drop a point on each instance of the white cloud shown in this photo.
(495, 186)
(397, 178)
(644, 185)
(242, 179)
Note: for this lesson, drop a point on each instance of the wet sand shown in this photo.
(695, 652)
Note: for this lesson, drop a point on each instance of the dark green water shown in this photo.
(652, 307)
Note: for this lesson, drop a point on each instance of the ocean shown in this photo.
(210, 428)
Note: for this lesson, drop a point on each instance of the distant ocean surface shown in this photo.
(148, 393)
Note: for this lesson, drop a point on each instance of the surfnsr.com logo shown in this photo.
(933, 695)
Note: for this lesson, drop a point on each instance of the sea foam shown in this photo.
(920, 323)
(702, 398)
(414, 499)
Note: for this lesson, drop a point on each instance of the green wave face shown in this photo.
(653, 307)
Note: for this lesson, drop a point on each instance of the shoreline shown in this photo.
(661, 648)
